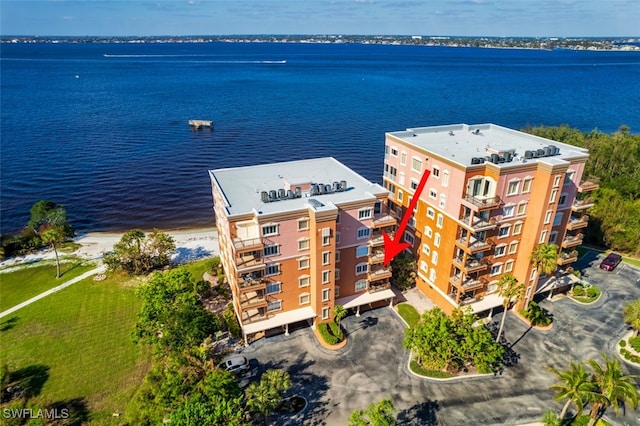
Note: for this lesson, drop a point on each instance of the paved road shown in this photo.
(373, 365)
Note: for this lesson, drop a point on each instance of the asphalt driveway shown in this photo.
(373, 365)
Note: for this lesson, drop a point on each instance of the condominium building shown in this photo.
(493, 195)
(298, 238)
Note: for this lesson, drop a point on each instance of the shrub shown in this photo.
(418, 369)
(635, 343)
(592, 292)
(336, 330)
(232, 323)
(578, 290)
(323, 329)
(537, 315)
(623, 343)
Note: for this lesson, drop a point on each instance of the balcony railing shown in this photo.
(247, 263)
(567, 257)
(468, 283)
(471, 265)
(247, 244)
(577, 223)
(379, 286)
(253, 299)
(255, 315)
(251, 281)
(583, 204)
(376, 256)
(572, 241)
(389, 176)
(378, 273)
(383, 220)
(377, 239)
(479, 224)
(482, 202)
(474, 245)
(589, 184)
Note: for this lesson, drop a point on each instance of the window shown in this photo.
(508, 267)
(272, 250)
(553, 237)
(303, 244)
(496, 269)
(303, 263)
(426, 249)
(533, 274)
(517, 228)
(504, 231)
(543, 237)
(400, 196)
(547, 216)
(423, 266)
(408, 238)
(274, 305)
(304, 298)
(326, 240)
(562, 200)
(513, 187)
(336, 291)
(364, 214)
(272, 269)
(432, 275)
(412, 222)
(432, 193)
(362, 268)
(416, 165)
(303, 224)
(337, 237)
(303, 281)
(413, 184)
(326, 257)
(522, 209)
(401, 180)
(338, 217)
(554, 194)
(507, 211)
(362, 251)
(556, 181)
(363, 233)
(326, 293)
(434, 258)
(513, 247)
(492, 287)
(336, 274)
(274, 287)
(325, 313)
(440, 221)
(431, 213)
(337, 257)
(394, 151)
(500, 250)
(436, 240)
(568, 178)
(326, 277)
(443, 200)
(435, 172)
(445, 178)
(428, 231)
(268, 230)
(526, 185)
(361, 285)
(403, 158)
(557, 219)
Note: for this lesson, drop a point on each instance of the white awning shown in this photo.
(553, 283)
(365, 298)
(280, 319)
(489, 301)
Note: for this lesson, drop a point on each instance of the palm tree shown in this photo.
(631, 315)
(613, 388)
(545, 258)
(339, 312)
(264, 397)
(574, 386)
(511, 291)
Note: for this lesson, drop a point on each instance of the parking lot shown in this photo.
(373, 365)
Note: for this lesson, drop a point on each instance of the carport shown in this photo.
(278, 320)
(367, 298)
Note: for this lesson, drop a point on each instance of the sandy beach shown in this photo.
(191, 244)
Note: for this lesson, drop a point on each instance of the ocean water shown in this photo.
(102, 128)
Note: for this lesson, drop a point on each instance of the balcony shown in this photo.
(572, 241)
(580, 205)
(468, 283)
(474, 245)
(577, 222)
(241, 245)
(479, 224)
(471, 265)
(383, 220)
(590, 184)
(378, 273)
(377, 239)
(482, 203)
(376, 256)
(565, 258)
(379, 286)
(249, 262)
(252, 300)
(254, 315)
(389, 176)
(252, 282)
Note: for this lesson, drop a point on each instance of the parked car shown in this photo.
(235, 364)
(610, 262)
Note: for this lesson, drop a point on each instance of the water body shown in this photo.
(102, 128)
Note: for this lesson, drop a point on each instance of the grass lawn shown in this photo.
(631, 261)
(31, 280)
(77, 342)
(584, 298)
(198, 268)
(408, 313)
(416, 368)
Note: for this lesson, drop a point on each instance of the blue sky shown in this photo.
(407, 17)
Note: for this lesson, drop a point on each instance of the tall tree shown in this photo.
(137, 253)
(613, 386)
(511, 291)
(381, 413)
(49, 222)
(339, 312)
(263, 397)
(574, 386)
(631, 315)
(545, 258)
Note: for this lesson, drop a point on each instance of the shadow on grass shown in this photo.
(26, 382)
(9, 324)
(70, 412)
(66, 271)
(423, 414)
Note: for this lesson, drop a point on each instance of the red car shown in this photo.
(610, 262)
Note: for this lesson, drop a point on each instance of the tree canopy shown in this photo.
(137, 253)
(381, 413)
(49, 224)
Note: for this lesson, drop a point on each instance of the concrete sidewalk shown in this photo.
(87, 274)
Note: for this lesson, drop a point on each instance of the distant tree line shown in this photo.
(614, 159)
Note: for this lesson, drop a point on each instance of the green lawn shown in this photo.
(198, 268)
(408, 313)
(29, 281)
(631, 261)
(78, 343)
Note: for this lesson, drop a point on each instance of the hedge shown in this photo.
(327, 334)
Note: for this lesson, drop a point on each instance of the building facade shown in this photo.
(298, 238)
(493, 195)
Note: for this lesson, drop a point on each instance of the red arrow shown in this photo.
(393, 247)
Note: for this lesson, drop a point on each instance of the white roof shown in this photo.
(279, 320)
(364, 298)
